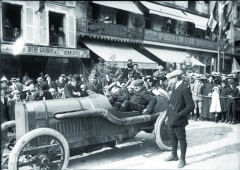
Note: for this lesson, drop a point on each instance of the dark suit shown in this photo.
(51, 84)
(97, 88)
(140, 100)
(181, 104)
(5, 116)
(232, 104)
(69, 89)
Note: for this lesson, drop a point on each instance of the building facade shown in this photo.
(71, 36)
(48, 31)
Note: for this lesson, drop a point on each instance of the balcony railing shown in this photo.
(104, 28)
(170, 38)
(11, 34)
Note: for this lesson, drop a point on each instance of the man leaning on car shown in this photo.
(142, 100)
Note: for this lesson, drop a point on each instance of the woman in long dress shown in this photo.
(207, 100)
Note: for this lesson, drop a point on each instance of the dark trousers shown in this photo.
(178, 133)
(231, 115)
(129, 106)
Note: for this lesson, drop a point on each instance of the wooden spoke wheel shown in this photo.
(43, 149)
(8, 140)
(162, 133)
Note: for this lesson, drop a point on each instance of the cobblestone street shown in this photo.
(210, 146)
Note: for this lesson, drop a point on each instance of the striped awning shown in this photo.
(166, 11)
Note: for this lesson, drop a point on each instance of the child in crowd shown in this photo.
(215, 107)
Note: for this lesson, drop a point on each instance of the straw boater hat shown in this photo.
(15, 92)
(4, 79)
(13, 80)
(39, 79)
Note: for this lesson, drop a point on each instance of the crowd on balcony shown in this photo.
(57, 38)
(216, 96)
(10, 33)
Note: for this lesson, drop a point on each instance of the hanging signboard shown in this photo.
(47, 51)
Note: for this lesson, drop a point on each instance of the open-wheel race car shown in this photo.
(46, 133)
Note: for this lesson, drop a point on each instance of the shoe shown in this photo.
(233, 123)
(222, 120)
(181, 164)
(229, 122)
(172, 158)
(226, 121)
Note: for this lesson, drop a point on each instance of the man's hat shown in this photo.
(13, 80)
(217, 74)
(26, 88)
(62, 75)
(138, 82)
(174, 73)
(94, 76)
(4, 79)
(39, 79)
(51, 90)
(15, 92)
(203, 78)
(47, 75)
(230, 76)
(198, 77)
(224, 81)
(76, 77)
(207, 75)
(148, 76)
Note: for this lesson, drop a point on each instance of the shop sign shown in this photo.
(164, 37)
(47, 51)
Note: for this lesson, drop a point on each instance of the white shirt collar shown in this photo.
(178, 83)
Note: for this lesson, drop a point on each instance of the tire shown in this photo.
(8, 140)
(25, 145)
(162, 134)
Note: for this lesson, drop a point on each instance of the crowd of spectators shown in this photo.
(215, 96)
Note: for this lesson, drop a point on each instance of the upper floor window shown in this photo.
(192, 5)
(238, 12)
(56, 33)
(11, 18)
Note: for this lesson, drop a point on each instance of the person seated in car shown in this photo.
(118, 93)
(142, 100)
(72, 90)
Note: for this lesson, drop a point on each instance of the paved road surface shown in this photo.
(210, 146)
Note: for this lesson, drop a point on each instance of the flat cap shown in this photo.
(174, 73)
(230, 76)
(231, 82)
(13, 80)
(76, 77)
(138, 82)
(207, 75)
(224, 81)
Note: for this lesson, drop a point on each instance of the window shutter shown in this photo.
(70, 3)
(72, 30)
(43, 28)
(29, 26)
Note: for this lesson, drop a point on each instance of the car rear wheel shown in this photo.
(43, 148)
(162, 133)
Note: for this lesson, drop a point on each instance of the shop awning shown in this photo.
(166, 11)
(120, 55)
(200, 22)
(172, 56)
(123, 5)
